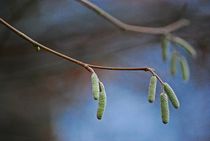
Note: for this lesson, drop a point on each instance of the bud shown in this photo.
(37, 48)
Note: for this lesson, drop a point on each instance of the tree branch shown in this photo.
(140, 29)
(87, 66)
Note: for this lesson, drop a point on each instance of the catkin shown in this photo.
(95, 86)
(185, 45)
(164, 108)
(173, 63)
(152, 89)
(171, 95)
(164, 45)
(102, 102)
(184, 68)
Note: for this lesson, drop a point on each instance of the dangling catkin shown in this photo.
(173, 63)
(171, 95)
(164, 108)
(95, 86)
(152, 89)
(185, 45)
(102, 101)
(164, 45)
(184, 68)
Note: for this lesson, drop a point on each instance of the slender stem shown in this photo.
(119, 68)
(158, 77)
(146, 69)
(141, 29)
(87, 66)
(33, 42)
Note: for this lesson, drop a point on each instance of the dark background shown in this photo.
(43, 97)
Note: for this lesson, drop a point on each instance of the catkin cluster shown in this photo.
(167, 94)
(99, 94)
(178, 42)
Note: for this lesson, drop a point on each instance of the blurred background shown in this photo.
(45, 98)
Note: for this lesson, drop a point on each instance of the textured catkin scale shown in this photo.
(95, 86)
(164, 108)
(164, 45)
(185, 69)
(152, 89)
(171, 95)
(181, 42)
(173, 63)
(102, 102)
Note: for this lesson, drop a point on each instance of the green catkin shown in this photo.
(164, 108)
(173, 63)
(95, 86)
(184, 68)
(171, 95)
(181, 42)
(152, 89)
(102, 101)
(164, 45)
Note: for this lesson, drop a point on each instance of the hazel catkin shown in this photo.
(102, 101)
(173, 63)
(164, 45)
(152, 89)
(164, 108)
(185, 69)
(95, 86)
(171, 95)
(181, 42)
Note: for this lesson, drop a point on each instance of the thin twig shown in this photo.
(35, 43)
(141, 29)
(87, 66)
(146, 69)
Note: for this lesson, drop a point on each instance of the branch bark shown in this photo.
(133, 28)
